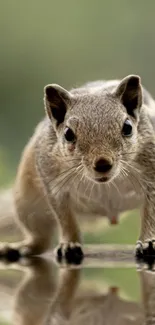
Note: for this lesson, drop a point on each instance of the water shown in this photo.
(108, 288)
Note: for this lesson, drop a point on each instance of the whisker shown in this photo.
(134, 179)
(130, 174)
(133, 167)
(127, 153)
(65, 171)
(116, 187)
(63, 182)
(78, 172)
(57, 180)
(90, 193)
(86, 188)
(80, 181)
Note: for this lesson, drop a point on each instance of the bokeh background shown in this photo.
(68, 42)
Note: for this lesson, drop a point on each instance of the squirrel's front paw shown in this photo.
(14, 252)
(70, 252)
(9, 253)
(145, 252)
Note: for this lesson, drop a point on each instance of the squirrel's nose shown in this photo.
(102, 165)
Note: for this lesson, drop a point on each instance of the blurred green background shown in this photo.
(69, 43)
(66, 42)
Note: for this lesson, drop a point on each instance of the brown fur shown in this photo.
(56, 180)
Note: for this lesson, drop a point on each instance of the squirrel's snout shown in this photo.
(103, 165)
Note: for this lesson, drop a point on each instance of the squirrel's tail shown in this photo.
(8, 228)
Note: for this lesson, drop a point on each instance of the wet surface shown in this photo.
(107, 288)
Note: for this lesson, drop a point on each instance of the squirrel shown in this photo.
(94, 151)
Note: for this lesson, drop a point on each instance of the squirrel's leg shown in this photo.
(43, 297)
(36, 222)
(35, 292)
(63, 302)
(36, 218)
(69, 234)
(145, 248)
(147, 284)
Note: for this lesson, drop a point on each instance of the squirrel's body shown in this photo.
(92, 169)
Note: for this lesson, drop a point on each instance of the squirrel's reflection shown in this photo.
(148, 296)
(45, 297)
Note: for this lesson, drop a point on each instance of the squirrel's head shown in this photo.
(97, 129)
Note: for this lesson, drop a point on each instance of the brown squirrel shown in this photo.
(94, 151)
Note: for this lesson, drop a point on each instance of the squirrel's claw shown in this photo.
(145, 252)
(70, 252)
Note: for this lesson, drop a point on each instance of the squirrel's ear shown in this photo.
(130, 93)
(56, 101)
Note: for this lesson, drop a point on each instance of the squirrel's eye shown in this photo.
(69, 135)
(127, 128)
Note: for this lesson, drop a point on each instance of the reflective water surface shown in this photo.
(106, 289)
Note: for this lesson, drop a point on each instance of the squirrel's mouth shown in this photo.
(102, 179)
